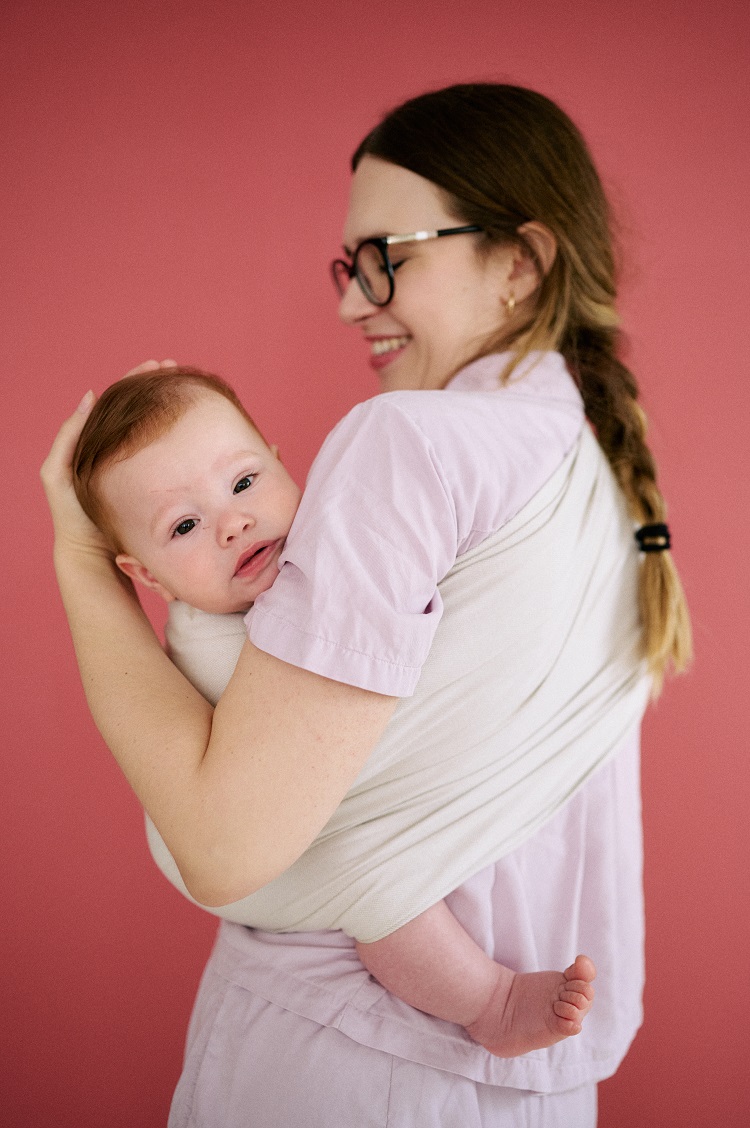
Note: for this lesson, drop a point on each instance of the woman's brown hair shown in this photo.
(128, 416)
(505, 156)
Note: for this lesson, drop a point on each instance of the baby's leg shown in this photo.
(434, 965)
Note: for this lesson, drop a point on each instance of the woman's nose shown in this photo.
(354, 307)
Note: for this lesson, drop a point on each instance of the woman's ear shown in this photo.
(136, 571)
(525, 263)
(542, 242)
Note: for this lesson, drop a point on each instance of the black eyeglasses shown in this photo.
(372, 267)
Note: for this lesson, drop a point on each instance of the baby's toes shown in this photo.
(570, 1015)
(578, 1003)
(582, 968)
(578, 989)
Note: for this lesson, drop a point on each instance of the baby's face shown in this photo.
(203, 511)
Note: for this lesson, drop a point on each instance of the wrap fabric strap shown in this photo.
(653, 538)
(533, 679)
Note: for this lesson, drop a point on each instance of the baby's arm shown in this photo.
(434, 965)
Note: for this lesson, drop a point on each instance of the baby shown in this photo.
(197, 506)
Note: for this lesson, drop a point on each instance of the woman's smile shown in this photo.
(385, 349)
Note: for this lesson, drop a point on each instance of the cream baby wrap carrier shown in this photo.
(533, 679)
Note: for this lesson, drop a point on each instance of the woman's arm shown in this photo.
(237, 794)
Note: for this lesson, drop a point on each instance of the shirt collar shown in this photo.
(542, 373)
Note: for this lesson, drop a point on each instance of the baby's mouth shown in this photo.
(256, 558)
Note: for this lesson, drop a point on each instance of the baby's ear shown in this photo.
(136, 571)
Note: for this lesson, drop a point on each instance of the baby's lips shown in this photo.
(249, 553)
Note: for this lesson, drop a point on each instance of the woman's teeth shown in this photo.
(388, 344)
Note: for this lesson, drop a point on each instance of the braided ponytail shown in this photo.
(505, 156)
(610, 396)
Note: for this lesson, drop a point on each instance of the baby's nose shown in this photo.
(233, 525)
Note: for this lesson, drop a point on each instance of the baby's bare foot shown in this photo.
(534, 1010)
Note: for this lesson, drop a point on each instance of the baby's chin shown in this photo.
(235, 609)
(218, 609)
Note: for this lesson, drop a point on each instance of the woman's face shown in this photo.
(448, 298)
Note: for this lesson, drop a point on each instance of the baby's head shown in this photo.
(193, 501)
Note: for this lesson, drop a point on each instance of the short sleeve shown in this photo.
(356, 599)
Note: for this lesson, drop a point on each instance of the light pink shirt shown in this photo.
(406, 483)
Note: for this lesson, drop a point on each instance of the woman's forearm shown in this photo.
(237, 795)
(158, 738)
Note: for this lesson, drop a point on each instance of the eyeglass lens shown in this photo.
(372, 272)
(370, 267)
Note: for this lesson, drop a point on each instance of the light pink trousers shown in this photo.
(251, 1064)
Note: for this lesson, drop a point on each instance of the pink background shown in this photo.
(174, 178)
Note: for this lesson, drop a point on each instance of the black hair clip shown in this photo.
(653, 538)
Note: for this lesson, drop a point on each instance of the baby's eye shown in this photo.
(396, 265)
(244, 483)
(185, 527)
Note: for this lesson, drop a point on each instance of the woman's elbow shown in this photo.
(215, 887)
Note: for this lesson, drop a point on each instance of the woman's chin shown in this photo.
(400, 373)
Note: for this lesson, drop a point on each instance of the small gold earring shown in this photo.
(510, 303)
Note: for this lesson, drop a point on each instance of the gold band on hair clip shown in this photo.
(653, 538)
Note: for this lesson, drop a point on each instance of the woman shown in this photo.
(288, 1028)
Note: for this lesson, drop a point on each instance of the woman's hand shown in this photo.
(72, 527)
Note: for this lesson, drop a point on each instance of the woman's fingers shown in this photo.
(151, 366)
(57, 466)
(70, 521)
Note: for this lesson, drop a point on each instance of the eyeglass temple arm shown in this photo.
(420, 236)
(417, 237)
